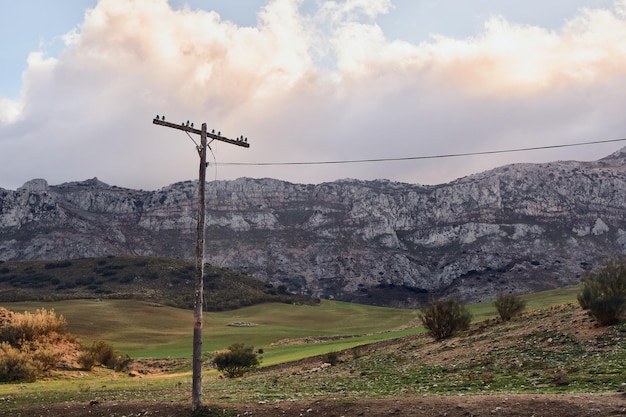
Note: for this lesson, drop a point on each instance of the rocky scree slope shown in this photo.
(518, 228)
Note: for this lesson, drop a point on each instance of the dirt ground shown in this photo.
(561, 405)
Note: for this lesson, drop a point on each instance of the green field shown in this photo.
(149, 330)
(539, 352)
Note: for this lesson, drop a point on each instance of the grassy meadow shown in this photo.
(148, 330)
(553, 348)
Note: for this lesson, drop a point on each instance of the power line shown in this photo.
(413, 158)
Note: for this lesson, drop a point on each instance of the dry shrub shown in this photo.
(45, 356)
(16, 365)
(28, 344)
(27, 327)
(87, 360)
(103, 353)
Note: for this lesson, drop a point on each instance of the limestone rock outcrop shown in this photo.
(516, 228)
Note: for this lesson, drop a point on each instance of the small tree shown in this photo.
(604, 292)
(445, 317)
(238, 360)
(509, 306)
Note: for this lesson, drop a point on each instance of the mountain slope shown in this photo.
(158, 280)
(518, 228)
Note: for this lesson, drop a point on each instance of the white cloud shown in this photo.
(10, 110)
(504, 59)
(510, 85)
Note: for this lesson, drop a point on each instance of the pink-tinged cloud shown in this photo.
(326, 85)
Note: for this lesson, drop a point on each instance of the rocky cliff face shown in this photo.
(519, 228)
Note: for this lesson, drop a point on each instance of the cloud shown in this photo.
(327, 85)
(9, 111)
(504, 59)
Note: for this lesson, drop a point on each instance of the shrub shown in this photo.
(331, 358)
(445, 317)
(238, 360)
(26, 327)
(103, 353)
(16, 365)
(44, 356)
(28, 344)
(87, 360)
(604, 292)
(509, 306)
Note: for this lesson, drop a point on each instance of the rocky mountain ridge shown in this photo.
(516, 228)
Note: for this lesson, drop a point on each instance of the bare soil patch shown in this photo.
(548, 405)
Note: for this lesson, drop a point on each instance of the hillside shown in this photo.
(519, 228)
(550, 362)
(159, 280)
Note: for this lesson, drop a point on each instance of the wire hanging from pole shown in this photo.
(214, 161)
(413, 158)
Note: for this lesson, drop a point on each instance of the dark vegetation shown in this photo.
(508, 306)
(103, 353)
(445, 317)
(237, 360)
(161, 280)
(604, 292)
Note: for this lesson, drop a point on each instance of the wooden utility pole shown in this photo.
(196, 389)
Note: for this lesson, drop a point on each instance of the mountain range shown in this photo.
(517, 228)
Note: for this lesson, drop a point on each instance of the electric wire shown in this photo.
(209, 147)
(214, 161)
(413, 158)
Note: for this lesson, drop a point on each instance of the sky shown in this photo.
(305, 81)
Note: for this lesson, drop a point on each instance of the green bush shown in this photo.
(509, 306)
(238, 360)
(445, 317)
(604, 292)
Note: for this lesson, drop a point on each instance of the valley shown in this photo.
(550, 359)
